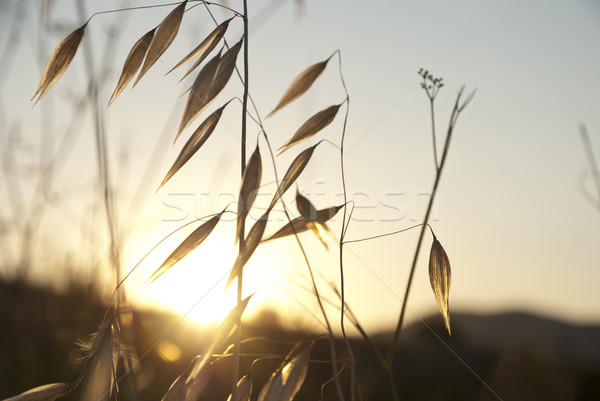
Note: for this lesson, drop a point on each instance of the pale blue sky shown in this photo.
(510, 215)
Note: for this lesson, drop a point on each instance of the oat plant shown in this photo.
(215, 61)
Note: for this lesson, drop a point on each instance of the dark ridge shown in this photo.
(519, 355)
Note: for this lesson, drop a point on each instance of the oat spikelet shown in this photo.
(208, 84)
(198, 138)
(162, 39)
(300, 85)
(204, 48)
(313, 125)
(132, 63)
(59, 61)
(439, 276)
(252, 242)
(48, 392)
(286, 381)
(293, 173)
(248, 189)
(187, 245)
(244, 389)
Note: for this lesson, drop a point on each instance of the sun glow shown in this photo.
(195, 285)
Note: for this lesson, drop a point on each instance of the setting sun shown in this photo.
(195, 286)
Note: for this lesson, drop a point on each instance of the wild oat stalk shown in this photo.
(459, 106)
(210, 81)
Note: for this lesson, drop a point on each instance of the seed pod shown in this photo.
(439, 276)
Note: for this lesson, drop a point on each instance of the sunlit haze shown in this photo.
(513, 210)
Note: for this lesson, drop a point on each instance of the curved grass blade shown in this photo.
(244, 389)
(164, 36)
(248, 190)
(313, 125)
(204, 48)
(287, 380)
(292, 173)
(195, 142)
(48, 392)
(250, 244)
(300, 85)
(188, 245)
(439, 276)
(196, 99)
(59, 61)
(132, 63)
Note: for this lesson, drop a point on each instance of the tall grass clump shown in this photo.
(217, 59)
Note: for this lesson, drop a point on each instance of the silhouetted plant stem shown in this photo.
(435, 158)
(348, 312)
(238, 338)
(103, 173)
(341, 243)
(338, 385)
(458, 107)
(431, 86)
(391, 383)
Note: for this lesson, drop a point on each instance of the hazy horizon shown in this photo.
(510, 211)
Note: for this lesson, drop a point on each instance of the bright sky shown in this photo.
(510, 212)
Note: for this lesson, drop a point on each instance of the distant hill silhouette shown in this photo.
(519, 356)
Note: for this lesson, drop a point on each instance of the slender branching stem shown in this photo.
(458, 107)
(384, 234)
(208, 3)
